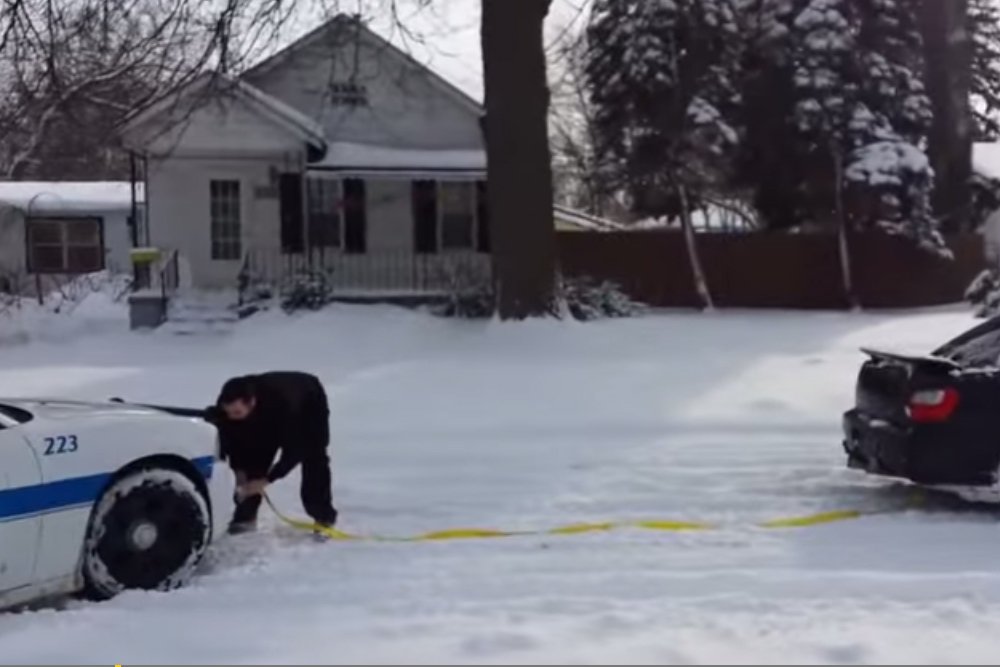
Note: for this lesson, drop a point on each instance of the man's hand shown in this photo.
(254, 487)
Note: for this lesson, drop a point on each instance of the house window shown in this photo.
(450, 216)
(226, 220)
(65, 245)
(348, 94)
(324, 217)
(458, 215)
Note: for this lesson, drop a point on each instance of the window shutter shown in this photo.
(292, 227)
(355, 216)
(425, 215)
(483, 217)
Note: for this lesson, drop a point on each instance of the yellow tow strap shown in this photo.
(572, 529)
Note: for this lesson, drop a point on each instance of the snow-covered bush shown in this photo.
(583, 299)
(67, 296)
(984, 293)
(306, 290)
(588, 300)
(468, 292)
(897, 177)
(87, 304)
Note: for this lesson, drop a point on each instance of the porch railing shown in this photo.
(383, 273)
(170, 276)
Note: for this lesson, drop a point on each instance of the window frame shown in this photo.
(64, 221)
(337, 184)
(473, 194)
(215, 242)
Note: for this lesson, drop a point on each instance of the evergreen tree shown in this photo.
(863, 109)
(984, 24)
(834, 100)
(660, 76)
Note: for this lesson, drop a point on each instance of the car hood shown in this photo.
(63, 409)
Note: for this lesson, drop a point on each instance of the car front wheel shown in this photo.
(148, 532)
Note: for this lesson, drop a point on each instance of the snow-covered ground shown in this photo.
(731, 418)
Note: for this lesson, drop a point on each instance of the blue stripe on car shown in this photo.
(66, 494)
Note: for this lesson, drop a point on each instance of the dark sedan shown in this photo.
(931, 419)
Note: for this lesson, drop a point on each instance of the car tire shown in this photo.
(149, 531)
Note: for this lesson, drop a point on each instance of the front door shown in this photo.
(20, 523)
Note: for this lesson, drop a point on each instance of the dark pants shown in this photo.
(314, 491)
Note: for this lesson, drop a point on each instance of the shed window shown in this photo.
(65, 245)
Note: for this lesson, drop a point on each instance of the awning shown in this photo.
(371, 160)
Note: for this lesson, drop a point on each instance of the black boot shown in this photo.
(245, 516)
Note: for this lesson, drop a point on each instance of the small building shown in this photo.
(58, 230)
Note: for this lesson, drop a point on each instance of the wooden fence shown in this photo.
(794, 271)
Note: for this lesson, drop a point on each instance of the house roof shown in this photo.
(585, 220)
(360, 159)
(68, 196)
(270, 107)
(344, 20)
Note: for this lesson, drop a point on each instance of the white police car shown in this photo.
(103, 497)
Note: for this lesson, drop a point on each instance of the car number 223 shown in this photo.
(61, 444)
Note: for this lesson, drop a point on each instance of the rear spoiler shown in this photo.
(912, 359)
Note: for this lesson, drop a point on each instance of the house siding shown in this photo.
(181, 219)
(407, 109)
(225, 141)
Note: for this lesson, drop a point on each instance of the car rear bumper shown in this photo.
(882, 448)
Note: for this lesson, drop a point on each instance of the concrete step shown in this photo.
(192, 317)
(177, 328)
(202, 317)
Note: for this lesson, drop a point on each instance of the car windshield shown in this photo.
(17, 414)
(977, 348)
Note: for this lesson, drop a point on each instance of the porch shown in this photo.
(400, 277)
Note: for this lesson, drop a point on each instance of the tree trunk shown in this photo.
(842, 243)
(519, 162)
(697, 272)
(948, 79)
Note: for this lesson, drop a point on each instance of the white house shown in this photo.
(340, 152)
(59, 229)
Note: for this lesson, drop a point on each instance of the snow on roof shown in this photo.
(272, 107)
(585, 220)
(283, 112)
(355, 157)
(986, 159)
(68, 196)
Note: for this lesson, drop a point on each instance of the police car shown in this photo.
(98, 498)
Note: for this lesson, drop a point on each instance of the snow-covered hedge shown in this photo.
(582, 299)
(92, 303)
(589, 300)
(307, 290)
(984, 293)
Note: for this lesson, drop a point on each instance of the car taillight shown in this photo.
(933, 405)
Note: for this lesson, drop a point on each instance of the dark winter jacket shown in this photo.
(291, 416)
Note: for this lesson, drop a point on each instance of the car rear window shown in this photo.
(17, 414)
(977, 348)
